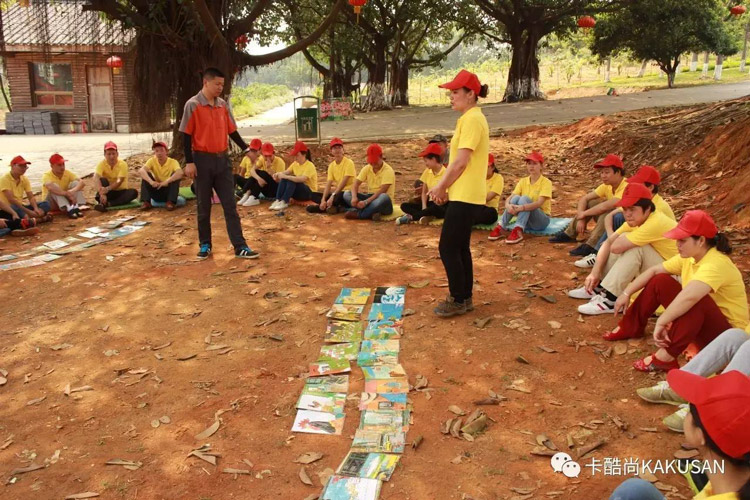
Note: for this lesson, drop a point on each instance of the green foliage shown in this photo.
(258, 97)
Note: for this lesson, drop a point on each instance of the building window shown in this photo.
(52, 85)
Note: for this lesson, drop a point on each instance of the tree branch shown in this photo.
(245, 24)
(212, 29)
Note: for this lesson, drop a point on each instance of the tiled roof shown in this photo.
(62, 22)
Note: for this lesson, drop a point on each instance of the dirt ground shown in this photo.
(105, 324)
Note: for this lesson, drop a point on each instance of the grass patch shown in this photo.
(257, 98)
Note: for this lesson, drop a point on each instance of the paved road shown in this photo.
(85, 150)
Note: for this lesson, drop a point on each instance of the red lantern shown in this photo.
(357, 4)
(115, 63)
(738, 10)
(241, 42)
(586, 22)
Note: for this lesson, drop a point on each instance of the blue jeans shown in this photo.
(42, 204)
(617, 220)
(289, 189)
(536, 220)
(380, 205)
(636, 489)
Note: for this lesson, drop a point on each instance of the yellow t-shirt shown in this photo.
(542, 187)
(120, 169)
(246, 165)
(63, 182)
(277, 165)
(472, 132)
(651, 232)
(162, 172)
(663, 207)
(306, 169)
(719, 272)
(385, 175)
(605, 191)
(337, 171)
(19, 189)
(430, 178)
(707, 493)
(496, 183)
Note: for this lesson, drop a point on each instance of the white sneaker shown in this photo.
(587, 261)
(251, 201)
(282, 205)
(244, 198)
(274, 205)
(597, 305)
(581, 294)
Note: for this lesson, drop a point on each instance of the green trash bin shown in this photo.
(307, 119)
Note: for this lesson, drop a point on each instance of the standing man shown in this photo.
(206, 123)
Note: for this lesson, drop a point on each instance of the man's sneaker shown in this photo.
(469, 303)
(100, 208)
(376, 216)
(598, 304)
(204, 251)
(496, 233)
(146, 206)
(244, 252)
(274, 205)
(404, 219)
(582, 250)
(561, 237)
(587, 261)
(333, 210)
(251, 201)
(241, 201)
(426, 219)
(581, 294)
(516, 236)
(170, 206)
(676, 421)
(449, 307)
(660, 393)
(352, 215)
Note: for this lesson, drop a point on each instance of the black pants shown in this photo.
(10, 221)
(118, 197)
(251, 184)
(486, 215)
(432, 210)
(162, 195)
(215, 174)
(455, 248)
(338, 201)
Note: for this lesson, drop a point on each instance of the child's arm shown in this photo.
(424, 196)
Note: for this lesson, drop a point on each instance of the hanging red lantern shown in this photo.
(738, 10)
(241, 42)
(586, 22)
(357, 4)
(115, 63)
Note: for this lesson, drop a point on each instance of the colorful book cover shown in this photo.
(385, 420)
(357, 296)
(384, 372)
(343, 331)
(380, 346)
(331, 383)
(318, 422)
(388, 386)
(347, 350)
(390, 290)
(369, 465)
(379, 442)
(329, 402)
(372, 358)
(389, 299)
(380, 312)
(329, 367)
(351, 488)
(375, 401)
(346, 312)
(384, 330)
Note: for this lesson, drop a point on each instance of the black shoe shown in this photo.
(204, 251)
(561, 237)
(582, 250)
(100, 208)
(244, 252)
(314, 209)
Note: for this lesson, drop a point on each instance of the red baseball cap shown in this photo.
(299, 147)
(464, 79)
(646, 174)
(609, 161)
(693, 223)
(256, 144)
(434, 148)
(336, 142)
(158, 143)
(56, 159)
(723, 403)
(535, 156)
(18, 160)
(110, 145)
(267, 148)
(374, 152)
(490, 159)
(633, 193)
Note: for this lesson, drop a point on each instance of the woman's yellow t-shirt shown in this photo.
(651, 232)
(495, 184)
(306, 169)
(472, 132)
(337, 171)
(542, 187)
(430, 178)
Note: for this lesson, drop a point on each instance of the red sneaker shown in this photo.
(656, 365)
(496, 233)
(516, 236)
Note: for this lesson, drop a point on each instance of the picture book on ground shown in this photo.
(343, 331)
(351, 488)
(358, 296)
(379, 442)
(374, 401)
(390, 290)
(370, 465)
(329, 367)
(383, 330)
(346, 312)
(331, 383)
(384, 420)
(318, 422)
(388, 299)
(383, 372)
(381, 312)
(387, 386)
(372, 358)
(389, 345)
(347, 350)
(330, 402)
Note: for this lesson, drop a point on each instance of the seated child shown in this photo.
(426, 210)
(111, 180)
(341, 174)
(381, 182)
(161, 178)
(299, 181)
(62, 189)
(495, 184)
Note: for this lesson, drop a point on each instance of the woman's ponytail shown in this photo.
(721, 243)
(484, 90)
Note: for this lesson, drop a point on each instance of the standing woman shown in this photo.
(463, 188)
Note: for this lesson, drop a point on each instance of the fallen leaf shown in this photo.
(128, 464)
(408, 312)
(487, 402)
(647, 476)
(324, 475)
(208, 432)
(555, 325)
(621, 349)
(308, 458)
(686, 453)
(230, 470)
(304, 477)
(36, 401)
(81, 496)
(186, 357)
(165, 419)
(155, 423)
(482, 322)
(59, 347)
(24, 470)
(421, 382)
(417, 441)
(523, 360)
(419, 284)
(549, 298)
(319, 275)
(456, 410)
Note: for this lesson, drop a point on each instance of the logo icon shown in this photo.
(562, 462)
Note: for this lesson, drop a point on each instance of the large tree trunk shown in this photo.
(523, 76)
(719, 67)
(743, 59)
(400, 85)
(642, 71)
(608, 70)
(704, 73)
(375, 99)
(694, 62)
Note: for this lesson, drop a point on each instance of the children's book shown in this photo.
(357, 296)
(385, 420)
(389, 299)
(351, 488)
(346, 351)
(318, 422)
(331, 383)
(329, 367)
(370, 465)
(372, 358)
(384, 330)
(329, 402)
(88, 235)
(56, 244)
(382, 312)
(380, 346)
(390, 290)
(343, 331)
(6, 258)
(375, 401)
(384, 372)
(388, 386)
(378, 442)
(346, 312)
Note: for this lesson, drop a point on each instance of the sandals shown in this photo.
(656, 365)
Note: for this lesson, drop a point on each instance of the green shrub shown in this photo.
(257, 98)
